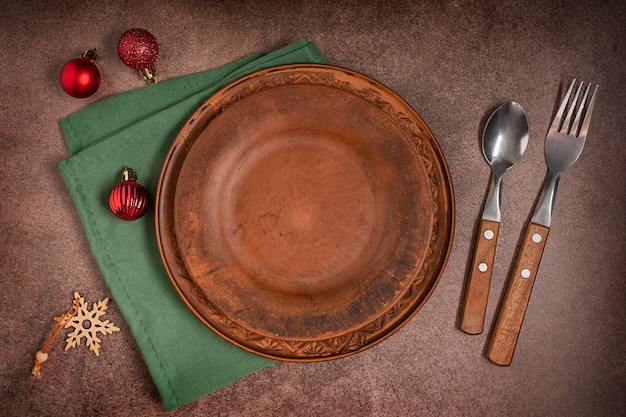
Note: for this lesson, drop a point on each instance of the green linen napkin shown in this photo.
(185, 358)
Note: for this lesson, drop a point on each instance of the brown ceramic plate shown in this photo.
(305, 212)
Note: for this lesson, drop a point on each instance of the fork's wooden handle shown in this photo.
(479, 280)
(513, 309)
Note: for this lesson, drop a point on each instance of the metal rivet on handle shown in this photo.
(482, 267)
(536, 238)
(488, 234)
(525, 273)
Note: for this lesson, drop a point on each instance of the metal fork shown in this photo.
(564, 143)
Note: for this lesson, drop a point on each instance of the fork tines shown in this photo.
(585, 108)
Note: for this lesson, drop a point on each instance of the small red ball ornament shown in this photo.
(138, 49)
(129, 200)
(80, 77)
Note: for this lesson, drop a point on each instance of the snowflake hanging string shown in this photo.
(42, 355)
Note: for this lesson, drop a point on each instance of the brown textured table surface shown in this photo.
(453, 61)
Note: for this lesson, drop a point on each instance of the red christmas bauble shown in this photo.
(129, 200)
(80, 77)
(138, 49)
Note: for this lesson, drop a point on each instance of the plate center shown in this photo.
(299, 213)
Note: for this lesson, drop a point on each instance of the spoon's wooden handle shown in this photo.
(513, 309)
(479, 280)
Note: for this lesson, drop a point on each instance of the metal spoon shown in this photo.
(504, 141)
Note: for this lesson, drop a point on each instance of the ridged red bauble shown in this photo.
(80, 77)
(129, 200)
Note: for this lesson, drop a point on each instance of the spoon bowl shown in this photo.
(505, 139)
(506, 134)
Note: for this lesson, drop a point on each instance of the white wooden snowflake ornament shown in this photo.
(87, 324)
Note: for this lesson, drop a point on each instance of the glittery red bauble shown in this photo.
(129, 200)
(80, 77)
(138, 49)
